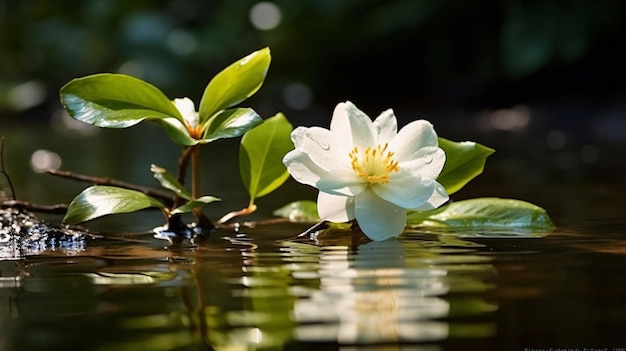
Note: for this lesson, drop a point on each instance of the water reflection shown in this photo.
(372, 297)
(247, 291)
(372, 293)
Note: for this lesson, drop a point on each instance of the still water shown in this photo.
(253, 288)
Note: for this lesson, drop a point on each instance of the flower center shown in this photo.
(374, 164)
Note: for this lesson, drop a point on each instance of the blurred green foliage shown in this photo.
(385, 52)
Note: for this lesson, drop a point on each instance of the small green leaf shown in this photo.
(97, 201)
(230, 123)
(115, 101)
(484, 213)
(235, 83)
(199, 202)
(168, 181)
(464, 161)
(177, 132)
(299, 211)
(261, 154)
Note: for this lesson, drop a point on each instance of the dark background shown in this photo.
(542, 82)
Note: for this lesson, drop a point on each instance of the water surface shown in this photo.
(251, 289)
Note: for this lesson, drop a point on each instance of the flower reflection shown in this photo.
(341, 291)
(374, 297)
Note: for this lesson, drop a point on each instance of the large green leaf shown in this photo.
(235, 83)
(115, 101)
(168, 181)
(464, 161)
(97, 201)
(230, 123)
(261, 154)
(484, 213)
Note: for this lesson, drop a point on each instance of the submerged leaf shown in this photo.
(115, 101)
(464, 161)
(484, 213)
(261, 153)
(235, 83)
(299, 211)
(97, 201)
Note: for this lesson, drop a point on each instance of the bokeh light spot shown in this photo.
(181, 42)
(265, 15)
(556, 140)
(513, 119)
(589, 153)
(26, 95)
(44, 160)
(297, 96)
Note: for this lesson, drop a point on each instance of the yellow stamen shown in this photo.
(374, 164)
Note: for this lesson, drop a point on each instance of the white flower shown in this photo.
(369, 171)
(186, 108)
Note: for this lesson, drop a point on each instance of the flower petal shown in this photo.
(340, 182)
(386, 126)
(438, 198)
(321, 147)
(377, 218)
(411, 138)
(405, 189)
(302, 168)
(188, 110)
(335, 208)
(427, 162)
(353, 126)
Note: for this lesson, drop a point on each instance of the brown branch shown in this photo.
(157, 193)
(182, 164)
(25, 205)
(3, 170)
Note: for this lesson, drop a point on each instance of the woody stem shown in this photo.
(203, 221)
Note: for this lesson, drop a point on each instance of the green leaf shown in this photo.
(299, 211)
(235, 83)
(484, 213)
(464, 161)
(177, 132)
(168, 181)
(261, 154)
(97, 201)
(115, 101)
(230, 123)
(199, 202)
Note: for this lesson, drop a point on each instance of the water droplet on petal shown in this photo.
(322, 143)
(428, 159)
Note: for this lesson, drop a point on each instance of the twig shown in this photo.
(160, 194)
(25, 205)
(315, 227)
(243, 212)
(182, 164)
(3, 170)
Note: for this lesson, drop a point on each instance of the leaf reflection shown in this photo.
(372, 292)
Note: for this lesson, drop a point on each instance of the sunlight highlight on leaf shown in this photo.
(464, 161)
(484, 213)
(235, 83)
(98, 200)
(261, 153)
